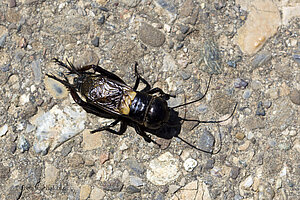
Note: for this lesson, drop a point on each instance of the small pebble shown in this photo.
(260, 59)
(3, 130)
(36, 68)
(184, 29)
(206, 141)
(240, 136)
(101, 20)
(247, 94)
(231, 63)
(136, 181)
(185, 75)
(189, 164)
(5, 67)
(234, 172)
(113, 185)
(2, 40)
(66, 150)
(23, 144)
(202, 108)
(132, 189)
(95, 42)
(173, 188)
(12, 3)
(179, 46)
(103, 158)
(260, 111)
(240, 83)
(244, 146)
(267, 104)
(103, 9)
(297, 58)
(295, 97)
(247, 183)
(209, 164)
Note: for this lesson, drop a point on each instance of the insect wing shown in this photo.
(111, 96)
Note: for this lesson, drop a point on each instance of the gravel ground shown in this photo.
(252, 48)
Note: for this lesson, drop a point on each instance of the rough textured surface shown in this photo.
(47, 151)
(262, 23)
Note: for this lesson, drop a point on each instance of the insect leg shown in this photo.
(142, 133)
(138, 79)
(70, 67)
(108, 127)
(162, 93)
(104, 72)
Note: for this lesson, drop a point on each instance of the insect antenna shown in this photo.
(193, 146)
(194, 101)
(209, 121)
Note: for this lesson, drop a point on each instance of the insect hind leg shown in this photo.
(108, 128)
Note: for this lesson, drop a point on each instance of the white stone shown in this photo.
(189, 164)
(163, 170)
(261, 24)
(24, 98)
(57, 126)
(3, 130)
(247, 183)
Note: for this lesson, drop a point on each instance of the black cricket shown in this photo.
(108, 96)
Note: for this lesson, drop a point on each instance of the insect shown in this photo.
(106, 95)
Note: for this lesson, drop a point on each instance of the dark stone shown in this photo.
(261, 59)
(34, 175)
(66, 150)
(13, 148)
(184, 29)
(240, 83)
(260, 111)
(297, 58)
(103, 9)
(206, 141)
(5, 68)
(135, 167)
(95, 42)
(113, 185)
(91, 173)
(167, 5)
(179, 46)
(2, 40)
(234, 173)
(132, 189)
(209, 164)
(220, 4)
(101, 20)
